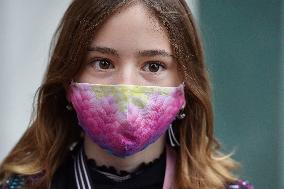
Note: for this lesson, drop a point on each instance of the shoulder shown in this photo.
(14, 182)
(240, 184)
(64, 175)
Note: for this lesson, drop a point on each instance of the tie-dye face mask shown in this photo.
(125, 119)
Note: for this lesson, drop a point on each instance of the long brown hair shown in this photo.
(45, 144)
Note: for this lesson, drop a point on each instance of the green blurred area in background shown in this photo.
(242, 40)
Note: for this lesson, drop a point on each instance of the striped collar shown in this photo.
(84, 181)
(82, 176)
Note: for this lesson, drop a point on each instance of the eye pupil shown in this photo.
(154, 67)
(104, 64)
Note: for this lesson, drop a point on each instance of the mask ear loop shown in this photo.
(173, 139)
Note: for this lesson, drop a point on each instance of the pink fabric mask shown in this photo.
(125, 119)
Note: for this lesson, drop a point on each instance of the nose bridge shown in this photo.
(127, 73)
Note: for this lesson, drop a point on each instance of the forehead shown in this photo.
(133, 27)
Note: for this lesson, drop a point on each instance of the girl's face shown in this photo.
(131, 48)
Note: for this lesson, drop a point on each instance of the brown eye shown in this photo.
(153, 67)
(102, 64)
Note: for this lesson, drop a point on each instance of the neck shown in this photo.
(130, 163)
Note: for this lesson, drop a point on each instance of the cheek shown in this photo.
(174, 76)
(85, 76)
(89, 76)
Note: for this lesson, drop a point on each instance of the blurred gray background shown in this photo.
(244, 47)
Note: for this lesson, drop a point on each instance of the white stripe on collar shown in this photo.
(81, 175)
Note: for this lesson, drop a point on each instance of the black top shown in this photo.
(146, 176)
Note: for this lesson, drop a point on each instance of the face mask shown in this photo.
(125, 119)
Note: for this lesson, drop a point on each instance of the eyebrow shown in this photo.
(151, 53)
(104, 50)
(144, 53)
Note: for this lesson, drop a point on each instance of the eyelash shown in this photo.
(160, 64)
(92, 63)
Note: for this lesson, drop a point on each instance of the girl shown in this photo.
(125, 103)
